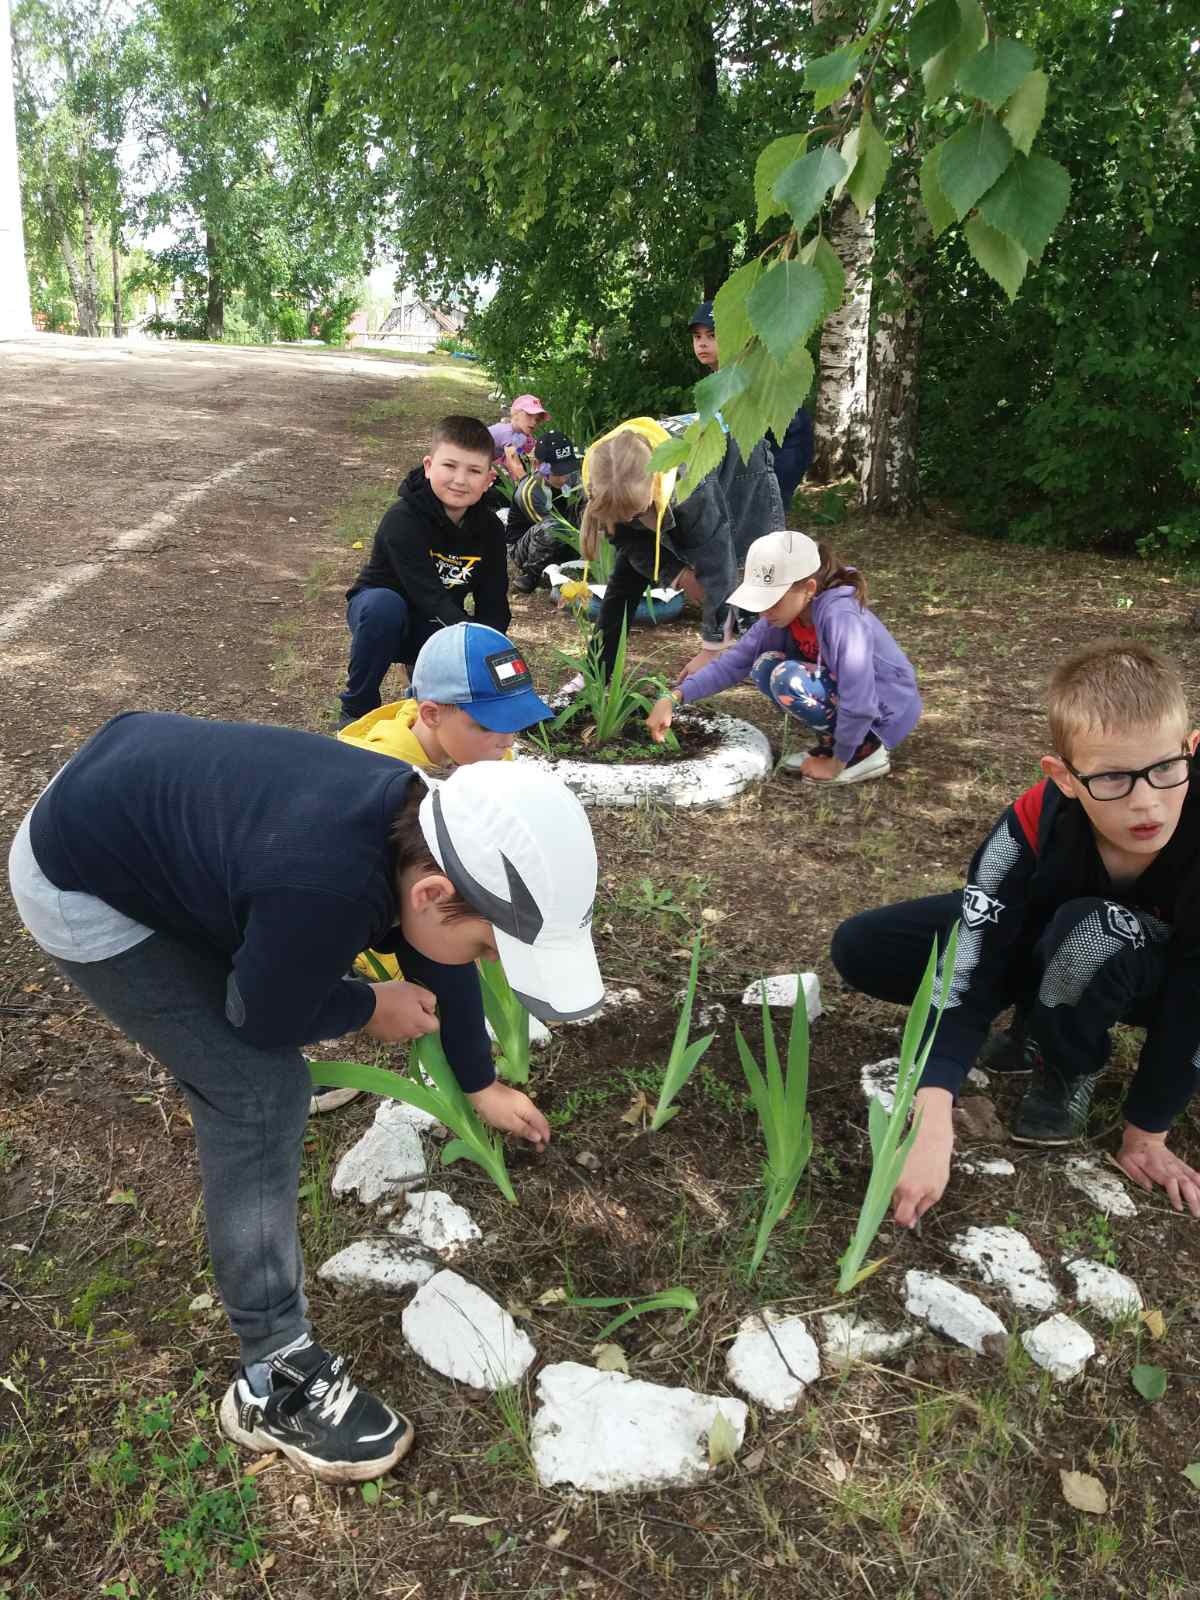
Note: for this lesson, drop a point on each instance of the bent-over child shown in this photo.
(820, 655)
(1081, 910)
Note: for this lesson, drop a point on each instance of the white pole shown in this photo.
(15, 320)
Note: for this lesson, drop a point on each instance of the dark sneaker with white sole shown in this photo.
(1054, 1109)
(317, 1418)
(1009, 1052)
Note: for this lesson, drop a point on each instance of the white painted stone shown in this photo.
(742, 756)
(1061, 1346)
(773, 1360)
(604, 1431)
(1104, 1189)
(461, 1332)
(1005, 1257)
(848, 1339)
(711, 1015)
(387, 1159)
(398, 1113)
(879, 1081)
(951, 1310)
(1106, 1290)
(613, 1000)
(988, 1167)
(782, 990)
(437, 1222)
(376, 1264)
(539, 1033)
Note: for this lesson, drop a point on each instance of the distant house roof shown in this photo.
(400, 317)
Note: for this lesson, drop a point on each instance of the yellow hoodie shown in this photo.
(663, 483)
(389, 731)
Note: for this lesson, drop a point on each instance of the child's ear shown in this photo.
(426, 892)
(427, 462)
(1192, 740)
(429, 712)
(1056, 770)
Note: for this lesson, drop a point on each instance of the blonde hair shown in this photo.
(1110, 687)
(619, 486)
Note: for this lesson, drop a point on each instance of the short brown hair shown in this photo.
(1111, 686)
(408, 841)
(619, 486)
(464, 433)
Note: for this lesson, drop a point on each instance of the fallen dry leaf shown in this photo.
(638, 1110)
(465, 1520)
(610, 1358)
(261, 1464)
(1154, 1324)
(754, 1461)
(836, 1468)
(722, 1440)
(557, 1539)
(1085, 1493)
(552, 1297)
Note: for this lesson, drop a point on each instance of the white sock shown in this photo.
(258, 1373)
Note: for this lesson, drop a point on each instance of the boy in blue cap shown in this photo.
(471, 695)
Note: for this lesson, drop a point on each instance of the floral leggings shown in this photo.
(803, 690)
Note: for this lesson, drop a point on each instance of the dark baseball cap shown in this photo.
(558, 453)
(702, 317)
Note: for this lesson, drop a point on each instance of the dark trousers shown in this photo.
(1094, 964)
(622, 595)
(249, 1109)
(383, 630)
(534, 549)
(792, 461)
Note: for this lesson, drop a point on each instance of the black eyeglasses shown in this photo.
(1168, 774)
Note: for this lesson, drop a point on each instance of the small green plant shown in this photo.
(440, 1096)
(889, 1144)
(781, 1102)
(608, 703)
(509, 1020)
(684, 1057)
(676, 1299)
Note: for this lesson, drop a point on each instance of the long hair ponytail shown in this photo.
(619, 487)
(831, 574)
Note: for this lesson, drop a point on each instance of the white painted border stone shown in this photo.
(605, 1431)
(437, 1222)
(461, 1332)
(1109, 1292)
(950, 1310)
(848, 1339)
(374, 1265)
(1006, 1258)
(773, 1359)
(782, 990)
(1104, 1189)
(742, 757)
(1060, 1346)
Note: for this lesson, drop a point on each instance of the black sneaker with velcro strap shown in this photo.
(317, 1418)
(1054, 1109)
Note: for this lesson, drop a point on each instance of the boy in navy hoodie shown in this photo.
(435, 547)
(1081, 910)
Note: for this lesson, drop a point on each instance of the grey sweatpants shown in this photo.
(249, 1108)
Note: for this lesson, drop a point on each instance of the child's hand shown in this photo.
(1146, 1159)
(402, 1011)
(700, 659)
(687, 581)
(512, 460)
(659, 719)
(927, 1171)
(821, 769)
(511, 1112)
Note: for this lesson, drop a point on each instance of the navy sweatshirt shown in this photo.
(1041, 854)
(266, 845)
(435, 563)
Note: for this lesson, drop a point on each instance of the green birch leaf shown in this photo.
(997, 71)
(937, 208)
(1000, 257)
(941, 70)
(777, 392)
(744, 415)
(671, 452)
(1029, 201)
(732, 324)
(870, 169)
(971, 161)
(706, 449)
(828, 77)
(786, 304)
(932, 29)
(1024, 112)
(718, 389)
(818, 252)
(803, 185)
(771, 164)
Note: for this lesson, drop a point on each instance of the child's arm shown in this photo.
(847, 646)
(491, 583)
(728, 668)
(1164, 1082)
(926, 1170)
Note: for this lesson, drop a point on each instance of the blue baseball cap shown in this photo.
(478, 668)
(702, 317)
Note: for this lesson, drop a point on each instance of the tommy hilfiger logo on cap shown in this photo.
(508, 671)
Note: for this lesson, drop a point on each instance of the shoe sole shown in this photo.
(1049, 1141)
(331, 1100)
(326, 1471)
(846, 776)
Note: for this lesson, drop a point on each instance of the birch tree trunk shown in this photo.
(840, 420)
(118, 305)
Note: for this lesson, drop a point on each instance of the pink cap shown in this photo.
(530, 403)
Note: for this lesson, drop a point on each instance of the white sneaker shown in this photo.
(331, 1100)
(877, 765)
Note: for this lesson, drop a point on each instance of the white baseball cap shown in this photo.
(517, 846)
(773, 564)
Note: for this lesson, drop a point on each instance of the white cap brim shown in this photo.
(557, 982)
(756, 597)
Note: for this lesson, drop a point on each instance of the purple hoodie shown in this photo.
(876, 684)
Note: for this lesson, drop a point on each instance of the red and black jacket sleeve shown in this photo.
(995, 915)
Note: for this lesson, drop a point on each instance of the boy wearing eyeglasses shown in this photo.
(1081, 910)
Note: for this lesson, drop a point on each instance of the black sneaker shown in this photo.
(1054, 1109)
(1009, 1052)
(317, 1418)
(525, 582)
